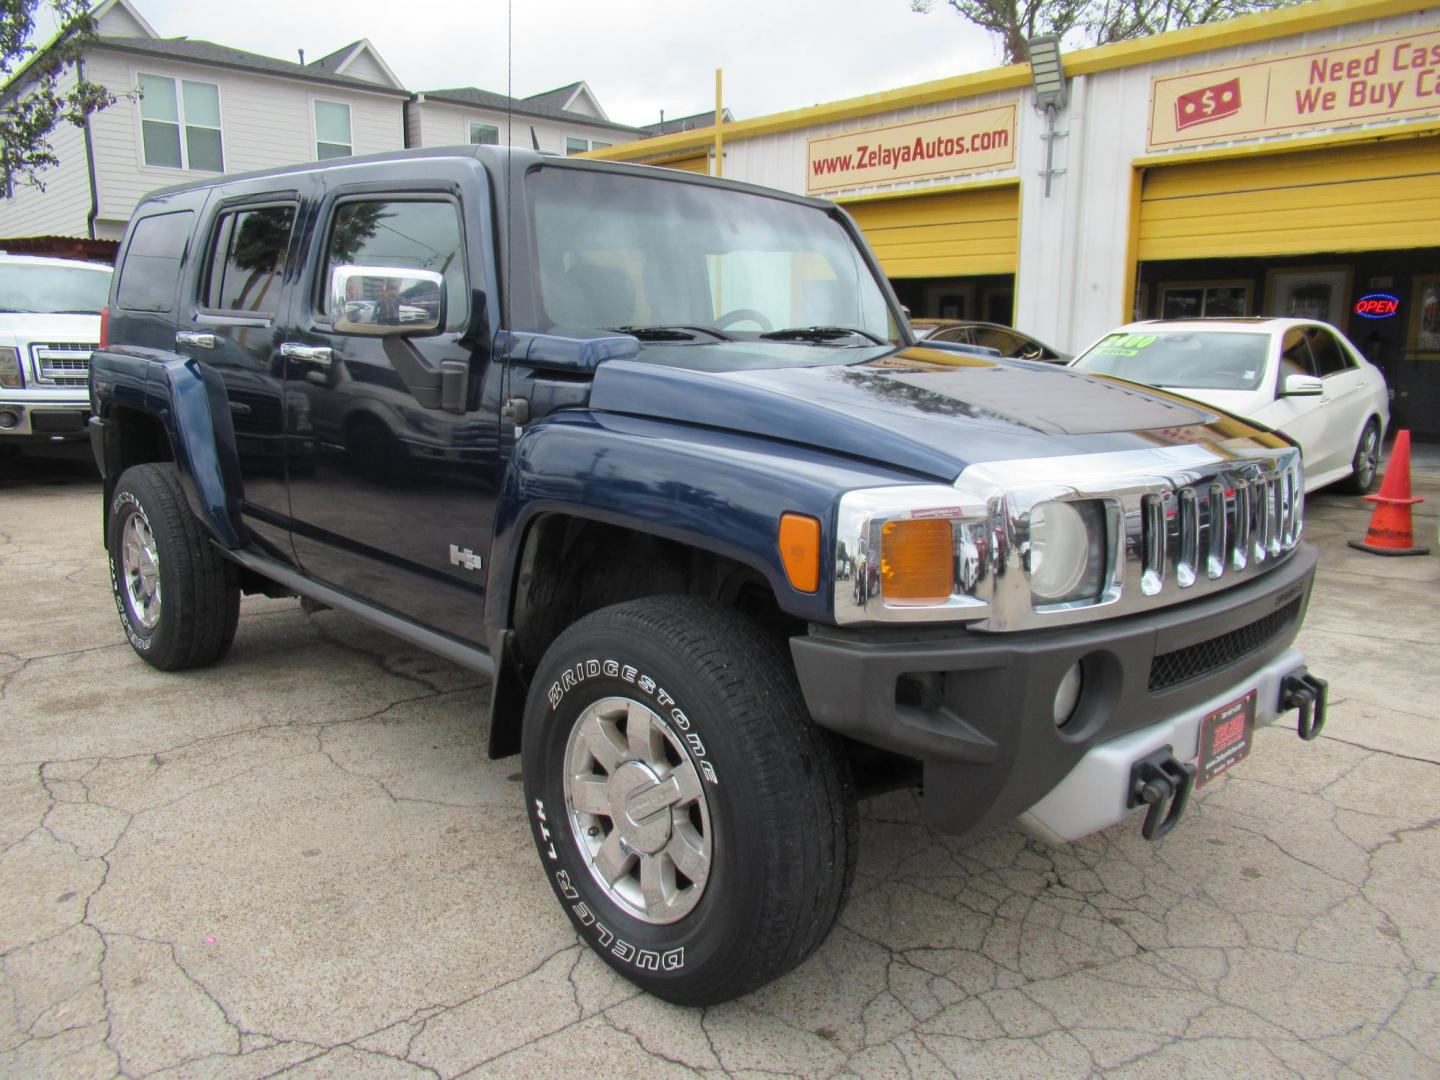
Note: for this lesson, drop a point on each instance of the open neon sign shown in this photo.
(1377, 305)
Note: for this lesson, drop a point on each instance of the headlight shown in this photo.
(1067, 551)
(10, 374)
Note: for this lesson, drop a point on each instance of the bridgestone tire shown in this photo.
(199, 596)
(781, 805)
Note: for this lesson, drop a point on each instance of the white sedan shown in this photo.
(1301, 378)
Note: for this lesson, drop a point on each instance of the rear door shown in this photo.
(1346, 392)
(233, 301)
(395, 504)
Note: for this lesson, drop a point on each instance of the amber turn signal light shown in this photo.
(916, 561)
(800, 551)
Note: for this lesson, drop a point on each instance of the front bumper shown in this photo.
(979, 709)
(32, 422)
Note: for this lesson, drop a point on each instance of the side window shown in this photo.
(958, 334)
(1295, 357)
(247, 260)
(1330, 358)
(152, 261)
(405, 235)
(1009, 344)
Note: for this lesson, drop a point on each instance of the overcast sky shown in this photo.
(639, 56)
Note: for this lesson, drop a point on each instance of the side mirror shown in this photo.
(382, 301)
(1296, 385)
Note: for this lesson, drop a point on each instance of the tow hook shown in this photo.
(1157, 780)
(1305, 692)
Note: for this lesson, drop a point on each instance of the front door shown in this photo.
(396, 501)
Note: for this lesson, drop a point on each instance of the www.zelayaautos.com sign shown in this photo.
(967, 142)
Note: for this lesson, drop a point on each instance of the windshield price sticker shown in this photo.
(1125, 344)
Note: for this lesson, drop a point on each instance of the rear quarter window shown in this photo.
(151, 266)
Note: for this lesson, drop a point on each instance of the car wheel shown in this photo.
(1365, 466)
(695, 824)
(178, 598)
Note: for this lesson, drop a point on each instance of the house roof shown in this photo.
(475, 98)
(336, 62)
(207, 52)
(558, 98)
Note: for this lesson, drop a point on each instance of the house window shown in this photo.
(484, 134)
(180, 124)
(332, 130)
(574, 145)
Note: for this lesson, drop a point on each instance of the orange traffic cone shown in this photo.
(1390, 530)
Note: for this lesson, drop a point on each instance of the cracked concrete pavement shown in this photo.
(300, 863)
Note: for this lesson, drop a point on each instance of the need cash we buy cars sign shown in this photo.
(976, 141)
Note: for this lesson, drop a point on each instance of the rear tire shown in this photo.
(1365, 465)
(695, 824)
(178, 598)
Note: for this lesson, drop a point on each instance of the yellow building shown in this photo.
(1286, 163)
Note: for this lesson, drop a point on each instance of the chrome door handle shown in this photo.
(195, 340)
(314, 354)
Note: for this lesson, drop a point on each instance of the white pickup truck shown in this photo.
(49, 325)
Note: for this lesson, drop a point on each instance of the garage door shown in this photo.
(1375, 197)
(951, 235)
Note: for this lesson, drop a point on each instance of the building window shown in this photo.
(180, 124)
(332, 130)
(484, 134)
(574, 145)
(1204, 300)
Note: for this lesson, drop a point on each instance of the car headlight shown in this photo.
(1067, 551)
(10, 373)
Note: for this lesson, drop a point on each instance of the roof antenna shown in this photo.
(534, 139)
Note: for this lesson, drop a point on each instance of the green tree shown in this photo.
(38, 93)
(1097, 22)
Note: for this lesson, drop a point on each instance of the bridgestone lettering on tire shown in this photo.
(694, 823)
(178, 601)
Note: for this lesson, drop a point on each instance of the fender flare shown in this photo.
(192, 405)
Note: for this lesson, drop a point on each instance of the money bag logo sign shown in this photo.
(1207, 104)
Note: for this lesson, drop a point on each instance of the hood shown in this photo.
(924, 410)
(22, 327)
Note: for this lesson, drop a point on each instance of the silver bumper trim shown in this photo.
(1093, 795)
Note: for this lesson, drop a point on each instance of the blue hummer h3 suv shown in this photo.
(659, 453)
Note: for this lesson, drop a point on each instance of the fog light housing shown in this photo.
(1067, 694)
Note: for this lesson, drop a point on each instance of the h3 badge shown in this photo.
(465, 558)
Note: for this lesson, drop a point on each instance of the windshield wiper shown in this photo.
(17, 311)
(820, 333)
(668, 333)
(76, 311)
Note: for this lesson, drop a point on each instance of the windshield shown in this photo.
(1183, 359)
(53, 290)
(627, 252)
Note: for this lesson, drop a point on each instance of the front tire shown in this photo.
(178, 601)
(695, 824)
(1365, 465)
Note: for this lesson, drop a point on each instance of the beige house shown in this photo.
(564, 121)
(188, 109)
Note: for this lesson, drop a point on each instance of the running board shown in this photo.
(468, 656)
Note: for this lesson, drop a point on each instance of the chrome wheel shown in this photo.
(637, 809)
(140, 563)
(1367, 457)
